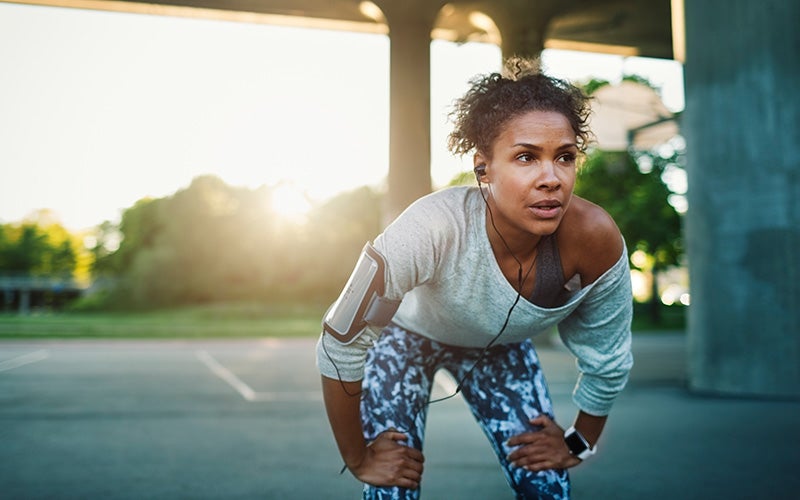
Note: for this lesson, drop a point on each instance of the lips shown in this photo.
(546, 209)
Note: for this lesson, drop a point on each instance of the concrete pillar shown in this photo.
(24, 301)
(8, 296)
(742, 126)
(522, 24)
(410, 24)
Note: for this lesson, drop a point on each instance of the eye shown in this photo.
(567, 159)
(525, 157)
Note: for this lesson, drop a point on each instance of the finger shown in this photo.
(524, 438)
(519, 456)
(414, 465)
(413, 472)
(542, 420)
(394, 435)
(405, 482)
(520, 439)
(540, 465)
(542, 448)
(415, 455)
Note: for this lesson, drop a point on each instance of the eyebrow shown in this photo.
(568, 145)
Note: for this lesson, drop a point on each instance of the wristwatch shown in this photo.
(578, 445)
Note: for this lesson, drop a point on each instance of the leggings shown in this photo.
(504, 392)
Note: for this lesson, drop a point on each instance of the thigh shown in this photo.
(504, 392)
(397, 385)
(396, 388)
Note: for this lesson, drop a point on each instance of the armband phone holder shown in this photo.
(361, 303)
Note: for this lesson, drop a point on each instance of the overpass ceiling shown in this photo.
(627, 27)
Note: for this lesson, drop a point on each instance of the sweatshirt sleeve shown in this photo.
(408, 246)
(598, 333)
(344, 362)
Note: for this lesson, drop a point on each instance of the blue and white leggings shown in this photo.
(505, 391)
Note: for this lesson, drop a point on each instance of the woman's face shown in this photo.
(531, 173)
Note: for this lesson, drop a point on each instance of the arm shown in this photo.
(590, 426)
(385, 461)
(407, 246)
(598, 334)
(344, 416)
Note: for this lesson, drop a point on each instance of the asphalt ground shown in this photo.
(243, 419)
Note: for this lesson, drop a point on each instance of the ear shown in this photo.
(479, 163)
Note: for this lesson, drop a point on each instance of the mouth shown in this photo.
(546, 209)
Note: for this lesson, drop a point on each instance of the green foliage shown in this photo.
(591, 86)
(217, 320)
(638, 202)
(32, 249)
(335, 234)
(466, 178)
(212, 243)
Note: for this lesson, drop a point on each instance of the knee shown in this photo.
(389, 493)
(544, 485)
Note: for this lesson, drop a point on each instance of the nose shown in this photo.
(547, 180)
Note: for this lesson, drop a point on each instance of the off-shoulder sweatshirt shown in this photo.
(440, 263)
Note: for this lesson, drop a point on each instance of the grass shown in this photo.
(222, 321)
(231, 321)
(672, 318)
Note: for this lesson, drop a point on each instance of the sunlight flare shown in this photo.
(290, 202)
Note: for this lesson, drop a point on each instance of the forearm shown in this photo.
(590, 426)
(342, 404)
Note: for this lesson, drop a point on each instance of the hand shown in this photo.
(542, 449)
(388, 462)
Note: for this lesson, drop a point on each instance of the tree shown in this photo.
(212, 242)
(33, 249)
(25, 250)
(335, 234)
(638, 200)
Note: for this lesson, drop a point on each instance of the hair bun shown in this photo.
(517, 67)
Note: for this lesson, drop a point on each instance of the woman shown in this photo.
(479, 272)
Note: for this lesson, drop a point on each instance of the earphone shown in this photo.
(480, 171)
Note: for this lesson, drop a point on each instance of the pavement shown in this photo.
(243, 419)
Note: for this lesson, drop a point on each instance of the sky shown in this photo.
(101, 109)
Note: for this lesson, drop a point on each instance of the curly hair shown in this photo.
(496, 98)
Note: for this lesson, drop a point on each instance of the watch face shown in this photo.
(575, 444)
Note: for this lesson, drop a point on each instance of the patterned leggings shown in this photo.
(504, 392)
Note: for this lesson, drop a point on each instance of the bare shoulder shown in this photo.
(589, 240)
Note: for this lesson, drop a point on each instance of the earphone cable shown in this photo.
(520, 281)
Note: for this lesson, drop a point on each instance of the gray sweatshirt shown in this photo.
(440, 263)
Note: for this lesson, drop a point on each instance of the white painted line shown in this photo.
(220, 371)
(25, 359)
(245, 391)
(445, 381)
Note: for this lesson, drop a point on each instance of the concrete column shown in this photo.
(522, 24)
(410, 24)
(8, 296)
(742, 125)
(24, 301)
